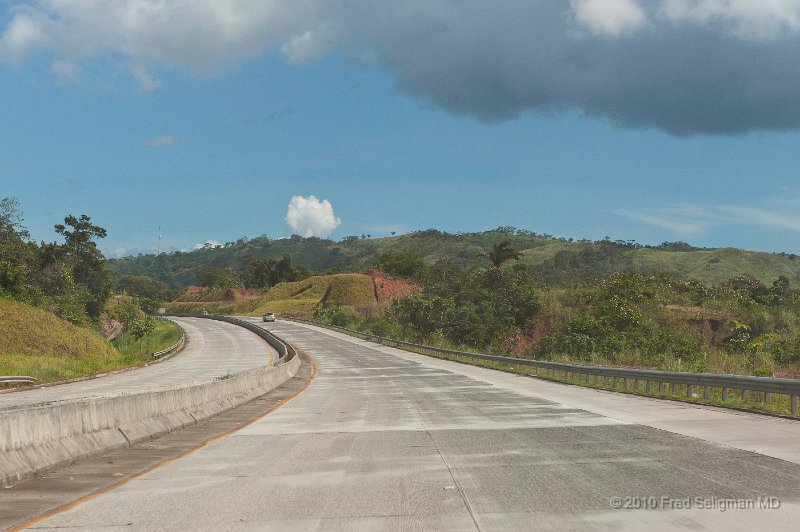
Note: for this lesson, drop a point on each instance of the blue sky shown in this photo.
(404, 129)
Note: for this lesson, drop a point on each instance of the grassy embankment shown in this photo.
(38, 344)
(348, 290)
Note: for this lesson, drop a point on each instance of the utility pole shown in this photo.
(159, 242)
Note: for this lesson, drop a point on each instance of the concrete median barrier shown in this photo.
(38, 438)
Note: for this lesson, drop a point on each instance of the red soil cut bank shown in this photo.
(387, 288)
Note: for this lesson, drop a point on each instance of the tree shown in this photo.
(15, 251)
(216, 277)
(143, 286)
(256, 273)
(501, 253)
(83, 231)
(781, 290)
(85, 260)
(141, 328)
(747, 284)
(401, 264)
(149, 292)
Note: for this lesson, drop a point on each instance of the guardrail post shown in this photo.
(661, 386)
(744, 394)
(706, 392)
(768, 397)
(724, 394)
(794, 404)
(688, 390)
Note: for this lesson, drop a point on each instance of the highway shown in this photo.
(213, 349)
(384, 439)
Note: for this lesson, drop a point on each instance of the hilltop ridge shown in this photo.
(557, 260)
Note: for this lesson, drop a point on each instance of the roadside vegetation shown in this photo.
(740, 326)
(137, 345)
(779, 404)
(513, 292)
(37, 343)
(59, 316)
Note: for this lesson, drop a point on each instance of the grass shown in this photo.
(300, 298)
(135, 350)
(38, 344)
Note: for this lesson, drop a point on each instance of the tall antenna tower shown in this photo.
(159, 242)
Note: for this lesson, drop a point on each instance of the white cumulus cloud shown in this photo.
(201, 34)
(25, 34)
(609, 17)
(308, 216)
(748, 19)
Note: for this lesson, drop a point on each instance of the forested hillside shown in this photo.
(557, 260)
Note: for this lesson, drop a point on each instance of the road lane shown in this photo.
(213, 349)
(749, 431)
(383, 441)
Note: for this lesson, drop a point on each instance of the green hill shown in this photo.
(557, 260)
(300, 298)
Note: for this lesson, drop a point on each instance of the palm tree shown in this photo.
(501, 253)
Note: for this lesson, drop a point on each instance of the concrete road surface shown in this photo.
(213, 349)
(388, 440)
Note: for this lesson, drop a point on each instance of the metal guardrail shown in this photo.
(594, 374)
(173, 347)
(285, 351)
(18, 379)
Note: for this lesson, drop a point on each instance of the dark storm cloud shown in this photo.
(498, 63)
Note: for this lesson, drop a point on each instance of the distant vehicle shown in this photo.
(204, 313)
(269, 316)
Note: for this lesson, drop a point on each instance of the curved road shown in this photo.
(390, 440)
(213, 349)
